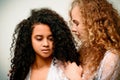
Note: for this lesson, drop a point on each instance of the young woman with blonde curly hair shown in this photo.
(97, 25)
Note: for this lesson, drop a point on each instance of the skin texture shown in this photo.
(78, 27)
(72, 71)
(42, 42)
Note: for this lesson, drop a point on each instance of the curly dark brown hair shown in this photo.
(24, 55)
(102, 22)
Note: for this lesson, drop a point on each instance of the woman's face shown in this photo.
(42, 40)
(78, 27)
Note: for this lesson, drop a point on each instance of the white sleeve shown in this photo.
(109, 68)
(55, 72)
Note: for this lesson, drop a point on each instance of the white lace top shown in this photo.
(55, 72)
(109, 68)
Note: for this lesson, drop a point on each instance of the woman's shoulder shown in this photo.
(55, 71)
(109, 67)
(111, 55)
(111, 58)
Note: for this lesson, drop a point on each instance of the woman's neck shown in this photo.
(41, 62)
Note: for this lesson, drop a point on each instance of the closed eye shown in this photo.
(51, 38)
(38, 38)
(75, 22)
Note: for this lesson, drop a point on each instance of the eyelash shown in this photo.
(72, 22)
(39, 39)
(75, 22)
(51, 39)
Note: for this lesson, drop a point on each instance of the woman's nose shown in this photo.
(73, 29)
(45, 43)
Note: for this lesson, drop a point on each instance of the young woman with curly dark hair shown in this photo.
(97, 26)
(42, 43)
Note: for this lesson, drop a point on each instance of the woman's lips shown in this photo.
(45, 50)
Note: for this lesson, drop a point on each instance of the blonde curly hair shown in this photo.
(102, 22)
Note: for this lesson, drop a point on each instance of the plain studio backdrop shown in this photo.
(13, 11)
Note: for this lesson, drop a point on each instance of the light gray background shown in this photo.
(13, 11)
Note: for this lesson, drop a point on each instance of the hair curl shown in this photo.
(24, 55)
(102, 22)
